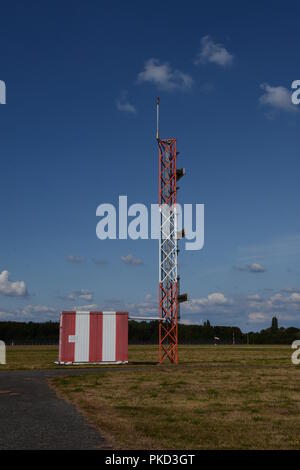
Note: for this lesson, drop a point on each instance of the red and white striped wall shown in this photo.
(93, 337)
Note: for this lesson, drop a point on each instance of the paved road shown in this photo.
(33, 417)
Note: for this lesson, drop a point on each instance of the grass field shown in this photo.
(217, 398)
(44, 357)
(30, 357)
(224, 397)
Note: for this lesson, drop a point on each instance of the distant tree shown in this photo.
(147, 333)
(274, 325)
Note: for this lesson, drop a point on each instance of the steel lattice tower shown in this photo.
(169, 296)
(168, 304)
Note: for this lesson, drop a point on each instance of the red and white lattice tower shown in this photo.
(169, 297)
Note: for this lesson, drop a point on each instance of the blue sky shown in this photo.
(78, 129)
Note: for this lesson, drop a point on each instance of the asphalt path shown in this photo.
(33, 417)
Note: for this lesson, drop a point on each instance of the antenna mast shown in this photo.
(169, 295)
(157, 118)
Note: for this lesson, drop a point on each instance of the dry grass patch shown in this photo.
(217, 398)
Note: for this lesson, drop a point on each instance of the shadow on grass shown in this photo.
(143, 363)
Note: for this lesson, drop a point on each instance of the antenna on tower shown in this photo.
(169, 290)
(157, 118)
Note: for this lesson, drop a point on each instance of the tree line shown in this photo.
(141, 332)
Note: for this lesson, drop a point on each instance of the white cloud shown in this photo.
(257, 317)
(277, 97)
(214, 53)
(201, 304)
(84, 295)
(251, 308)
(146, 307)
(293, 298)
(75, 259)
(12, 288)
(130, 259)
(217, 298)
(123, 104)
(6, 315)
(88, 308)
(252, 268)
(256, 268)
(148, 297)
(290, 290)
(283, 306)
(255, 298)
(143, 308)
(79, 294)
(164, 77)
(30, 310)
(188, 321)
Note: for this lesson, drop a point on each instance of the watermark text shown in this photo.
(134, 222)
(2, 92)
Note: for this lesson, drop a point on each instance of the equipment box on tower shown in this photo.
(93, 337)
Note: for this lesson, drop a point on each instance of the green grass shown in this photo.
(225, 397)
(216, 398)
(44, 357)
(30, 357)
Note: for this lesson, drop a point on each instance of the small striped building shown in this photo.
(93, 337)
